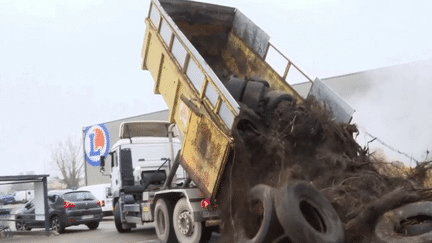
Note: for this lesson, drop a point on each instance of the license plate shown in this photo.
(87, 216)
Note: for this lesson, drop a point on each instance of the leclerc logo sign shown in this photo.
(97, 143)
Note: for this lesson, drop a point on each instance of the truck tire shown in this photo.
(390, 222)
(164, 221)
(117, 220)
(306, 215)
(185, 229)
(269, 229)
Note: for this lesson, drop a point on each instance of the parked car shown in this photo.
(103, 193)
(7, 199)
(65, 208)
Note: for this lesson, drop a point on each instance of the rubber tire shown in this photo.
(270, 228)
(419, 229)
(163, 217)
(117, 220)
(93, 225)
(200, 234)
(252, 95)
(18, 228)
(275, 97)
(384, 229)
(59, 225)
(289, 203)
(236, 87)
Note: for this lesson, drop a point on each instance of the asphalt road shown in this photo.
(105, 233)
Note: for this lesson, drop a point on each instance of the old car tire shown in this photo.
(185, 229)
(306, 215)
(20, 225)
(93, 225)
(163, 215)
(419, 229)
(117, 220)
(57, 224)
(385, 227)
(270, 228)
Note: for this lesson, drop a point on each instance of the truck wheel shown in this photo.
(185, 229)
(306, 215)
(164, 221)
(263, 224)
(117, 220)
(390, 227)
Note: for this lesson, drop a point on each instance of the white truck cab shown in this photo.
(152, 144)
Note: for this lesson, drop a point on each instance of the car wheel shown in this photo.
(164, 221)
(117, 220)
(57, 225)
(20, 225)
(390, 226)
(93, 225)
(306, 215)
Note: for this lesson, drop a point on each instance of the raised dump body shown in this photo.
(192, 49)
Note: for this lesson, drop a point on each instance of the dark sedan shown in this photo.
(66, 208)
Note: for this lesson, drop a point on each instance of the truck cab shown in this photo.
(152, 145)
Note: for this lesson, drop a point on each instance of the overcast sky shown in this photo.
(65, 64)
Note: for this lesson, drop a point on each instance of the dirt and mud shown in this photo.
(303, 142)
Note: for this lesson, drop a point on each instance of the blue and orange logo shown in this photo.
(97, 143)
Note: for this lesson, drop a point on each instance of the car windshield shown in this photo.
(78, 196)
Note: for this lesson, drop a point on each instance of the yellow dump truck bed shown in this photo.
(191, 49)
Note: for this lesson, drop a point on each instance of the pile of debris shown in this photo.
(303, 142)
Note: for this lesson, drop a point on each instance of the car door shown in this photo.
(28, 214)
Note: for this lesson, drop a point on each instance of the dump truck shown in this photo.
(208, 62)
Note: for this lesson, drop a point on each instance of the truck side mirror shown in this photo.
(108, 192)
(102, 161)
(102, 164)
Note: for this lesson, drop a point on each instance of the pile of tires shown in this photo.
(296, 213)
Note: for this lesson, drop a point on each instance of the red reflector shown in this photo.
(205, 203)
(68, 205)
(103, 203)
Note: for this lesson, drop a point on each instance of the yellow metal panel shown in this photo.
(182, 115)
(154, 53)
(205, 147)
(205, 152)
(168, 81)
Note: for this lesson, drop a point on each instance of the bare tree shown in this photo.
(67, 158)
